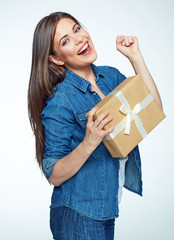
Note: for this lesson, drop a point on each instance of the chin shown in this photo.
(94, 57)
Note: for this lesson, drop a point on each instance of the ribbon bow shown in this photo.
(130, 115)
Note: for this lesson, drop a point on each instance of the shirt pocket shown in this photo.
(82, 119)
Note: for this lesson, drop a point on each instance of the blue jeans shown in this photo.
(67, 224)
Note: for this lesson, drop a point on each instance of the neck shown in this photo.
(86, 73)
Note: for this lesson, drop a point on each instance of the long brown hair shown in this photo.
(45, 75)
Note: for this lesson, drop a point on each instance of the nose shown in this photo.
(78, 39)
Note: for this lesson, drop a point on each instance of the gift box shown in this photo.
(135, 113)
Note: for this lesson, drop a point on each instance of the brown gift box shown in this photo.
(131, 124)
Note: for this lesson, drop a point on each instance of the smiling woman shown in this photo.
(65, 85)
(75, 49)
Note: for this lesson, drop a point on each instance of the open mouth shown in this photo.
(84, 49)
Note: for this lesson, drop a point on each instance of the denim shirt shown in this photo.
(93, 190)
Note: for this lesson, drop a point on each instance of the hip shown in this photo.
(66, 223)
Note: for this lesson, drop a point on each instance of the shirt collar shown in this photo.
(80, 82)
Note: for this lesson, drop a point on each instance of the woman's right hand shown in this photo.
(94, 129)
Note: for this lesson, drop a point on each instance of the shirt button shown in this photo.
(94, 93)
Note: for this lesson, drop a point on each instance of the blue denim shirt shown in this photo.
(93, 190)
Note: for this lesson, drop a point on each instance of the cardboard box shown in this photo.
(135, 113)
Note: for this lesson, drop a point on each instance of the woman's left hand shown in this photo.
(128, 46)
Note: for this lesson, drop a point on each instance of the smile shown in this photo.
(86, 49)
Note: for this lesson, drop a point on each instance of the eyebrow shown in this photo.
(67, 34)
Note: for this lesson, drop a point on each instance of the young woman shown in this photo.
(64, 85)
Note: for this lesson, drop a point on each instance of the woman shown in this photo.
(64, 85)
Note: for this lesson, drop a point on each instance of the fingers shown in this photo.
(119, 39)
(125, 40)
(105, 121)
(100, 122)
(94, 129)
(106, 132)
(100, 118)
(91, 114)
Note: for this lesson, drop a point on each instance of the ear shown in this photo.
(55, 60)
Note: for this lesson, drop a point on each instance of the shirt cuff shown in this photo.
(48, 165)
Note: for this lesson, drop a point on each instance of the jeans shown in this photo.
(67, 224)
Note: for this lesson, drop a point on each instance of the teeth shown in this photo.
(86, 45)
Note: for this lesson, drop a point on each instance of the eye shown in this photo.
(77, 29)
(65, 42)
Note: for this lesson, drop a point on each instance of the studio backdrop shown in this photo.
(25, 193)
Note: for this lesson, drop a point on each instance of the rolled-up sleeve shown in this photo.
(58, 122)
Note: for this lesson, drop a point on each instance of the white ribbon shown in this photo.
(130, 115)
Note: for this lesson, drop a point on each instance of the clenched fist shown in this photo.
(128, 46)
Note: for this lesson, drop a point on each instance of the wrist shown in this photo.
(87, 148)
(136, 58)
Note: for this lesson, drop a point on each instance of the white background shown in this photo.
(25, 193)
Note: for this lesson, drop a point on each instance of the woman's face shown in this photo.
(73, 46)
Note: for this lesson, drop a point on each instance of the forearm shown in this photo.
(68, 166)
(141, 69)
